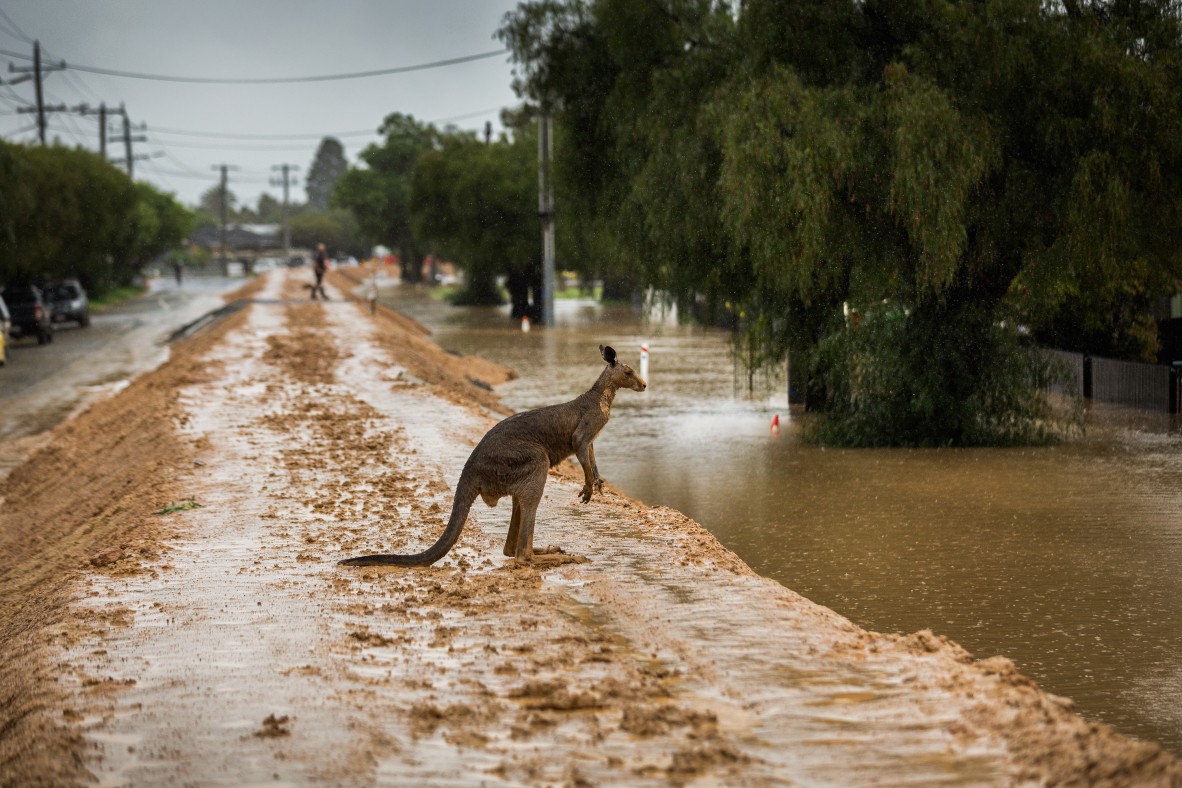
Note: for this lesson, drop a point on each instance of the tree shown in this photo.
(377, 191)
(327, 167)
(874, 194)
(68, 212)
(477, 204)
(210, 203)
(336, 229)
(270, 210)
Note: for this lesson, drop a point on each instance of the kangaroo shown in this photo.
(513, 458)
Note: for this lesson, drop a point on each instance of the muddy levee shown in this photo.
(183, 619)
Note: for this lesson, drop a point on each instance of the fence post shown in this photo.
(1087, 376)
(1176, 389)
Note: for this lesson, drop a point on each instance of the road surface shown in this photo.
(43, 384)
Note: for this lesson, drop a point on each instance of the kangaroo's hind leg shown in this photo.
(514, 529)
(525, 510)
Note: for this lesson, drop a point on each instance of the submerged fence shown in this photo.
(1147, 386)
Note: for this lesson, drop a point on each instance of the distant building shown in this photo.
(240, 237)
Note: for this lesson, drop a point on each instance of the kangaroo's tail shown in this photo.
(465, 495)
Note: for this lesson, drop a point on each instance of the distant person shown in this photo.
(320, 267)
(178, 269)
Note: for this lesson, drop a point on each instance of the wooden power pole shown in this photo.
(546, 213)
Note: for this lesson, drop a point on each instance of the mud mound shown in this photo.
(90, 494)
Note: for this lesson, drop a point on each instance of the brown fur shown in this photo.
(514, 457)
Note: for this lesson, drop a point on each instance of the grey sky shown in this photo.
(255, 39)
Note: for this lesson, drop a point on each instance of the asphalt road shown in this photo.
(43, 384)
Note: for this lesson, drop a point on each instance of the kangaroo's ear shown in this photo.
(608, 354)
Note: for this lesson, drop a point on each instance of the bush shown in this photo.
(942, 376)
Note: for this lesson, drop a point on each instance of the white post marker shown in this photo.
(644, 361)
(525, 324)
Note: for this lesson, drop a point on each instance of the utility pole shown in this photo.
(128, 139)
(85, 109)
(546, 213)
(286, 182)
(35, 73)
(225, 168)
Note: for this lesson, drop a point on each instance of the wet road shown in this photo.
(43, 384)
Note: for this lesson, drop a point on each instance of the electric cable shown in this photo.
(273, 80)
(13, 29)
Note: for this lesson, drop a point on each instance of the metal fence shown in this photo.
(1145, 386)
(1104, 380)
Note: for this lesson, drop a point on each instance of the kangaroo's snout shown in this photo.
(625, 377)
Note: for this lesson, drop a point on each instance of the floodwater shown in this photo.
(1066, 559)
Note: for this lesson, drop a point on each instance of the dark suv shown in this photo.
(30, 313)
(67, 301)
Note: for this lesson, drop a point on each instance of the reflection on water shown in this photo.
(1066, 559)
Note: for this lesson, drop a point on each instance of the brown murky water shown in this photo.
(1066, 559)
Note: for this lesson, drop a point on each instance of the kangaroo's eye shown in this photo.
(628, 373)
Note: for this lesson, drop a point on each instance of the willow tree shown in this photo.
(885, 188)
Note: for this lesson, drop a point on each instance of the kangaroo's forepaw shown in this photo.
(599, 485)
(585, 494)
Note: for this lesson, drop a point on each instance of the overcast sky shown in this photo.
(194, 127)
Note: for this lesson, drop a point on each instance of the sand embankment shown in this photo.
(223, 643)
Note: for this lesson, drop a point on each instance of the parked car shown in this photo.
(68, 302)
(30, 313)
(5, 324)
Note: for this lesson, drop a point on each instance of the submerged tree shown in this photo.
(857, 182)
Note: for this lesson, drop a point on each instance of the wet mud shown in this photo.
(173, 611)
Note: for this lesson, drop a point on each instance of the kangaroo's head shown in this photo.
(619, 375)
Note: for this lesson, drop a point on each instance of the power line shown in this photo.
(200, 146)
(276, 80)
(231, 136)
(13, 29)
(217, 135)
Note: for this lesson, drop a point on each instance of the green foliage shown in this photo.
(183, 505)
(378, 192)
(774, 164)
(70, 213)
(327, 168)
(337, 229)
(476, 204)
(944, 376)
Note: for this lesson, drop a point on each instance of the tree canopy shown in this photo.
(884, 188)
(378, 190)
(68, 212)
(327, 167)
(476, 203)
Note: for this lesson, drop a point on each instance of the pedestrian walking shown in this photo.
(319, 268)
